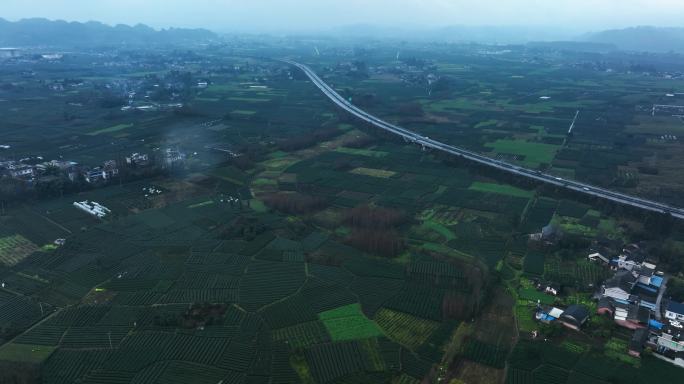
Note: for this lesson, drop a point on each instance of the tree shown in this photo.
(12, 189)
(386, 243)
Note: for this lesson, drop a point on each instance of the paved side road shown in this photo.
(661, 292)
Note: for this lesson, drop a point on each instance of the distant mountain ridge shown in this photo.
(43, 32)
(457, 33)
(646, 39)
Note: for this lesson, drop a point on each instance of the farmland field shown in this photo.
(348, 323)
(270, 238)
(404, 328)
(23, 353)
(14, 249)
(534, 154)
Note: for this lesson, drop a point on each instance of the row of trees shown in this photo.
(307, 140)
(374, 230)
(382, 242)
(374, 217)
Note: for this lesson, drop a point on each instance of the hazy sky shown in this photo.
(271, 15)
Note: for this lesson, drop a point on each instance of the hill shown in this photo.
(43, 32)
(647, 39)
(457, 33)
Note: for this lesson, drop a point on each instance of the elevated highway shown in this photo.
(427, 142)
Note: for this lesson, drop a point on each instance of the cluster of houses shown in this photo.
(138, 160)
(29, 168)
(104, 172)
(32, 169)
(633, 298)
(573, 317)
(173, 157)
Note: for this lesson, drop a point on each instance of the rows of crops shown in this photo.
(537, 362)
(484, 353)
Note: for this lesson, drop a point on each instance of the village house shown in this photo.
(575, 316)
(548, 315)
(22, 171)
(138, 159)
(174, 156)
(624, 262)
(675, 313)
(668, 341)
(105, 172)
(646, 296)
(62, 165)
(619, 287)
(631, 316)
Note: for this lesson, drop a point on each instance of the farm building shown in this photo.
(548, 315)
(575, 316)
(597, 257)
(93, 208)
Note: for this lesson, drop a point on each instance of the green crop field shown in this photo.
(348, 323)
(23, 353)
(534, 154)
(500, 188)
(14, 249)
(532, 295)
(404, 328)
(271, 238)
(381, 173)
(361, 152)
